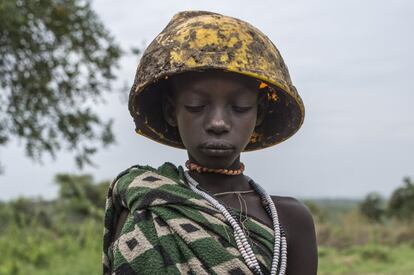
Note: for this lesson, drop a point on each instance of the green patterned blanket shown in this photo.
(172, 230)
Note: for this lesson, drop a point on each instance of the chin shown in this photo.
(216, 162)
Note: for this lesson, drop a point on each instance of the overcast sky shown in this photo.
(351, 61)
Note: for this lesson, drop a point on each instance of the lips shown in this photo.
(217, 148)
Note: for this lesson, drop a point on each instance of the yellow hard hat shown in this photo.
(201, 40)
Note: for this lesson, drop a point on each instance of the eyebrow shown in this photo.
(201, 91)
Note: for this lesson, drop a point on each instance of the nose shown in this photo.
(218, 123)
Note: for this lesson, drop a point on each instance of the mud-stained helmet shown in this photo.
(199, 41)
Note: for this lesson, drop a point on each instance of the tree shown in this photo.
(401, 203)
(56, 59)
(372, 207)
(81, 196)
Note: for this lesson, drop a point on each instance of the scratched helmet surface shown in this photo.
(199, 41)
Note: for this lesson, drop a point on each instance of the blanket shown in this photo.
(172, 230)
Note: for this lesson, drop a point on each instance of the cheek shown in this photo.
(189, 130)
(250, 119)
(250, 127)
(245, 128)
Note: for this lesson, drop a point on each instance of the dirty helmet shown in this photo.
(200, 41)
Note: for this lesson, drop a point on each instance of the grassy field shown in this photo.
(367, 259)
(38, 251)
(65, 237)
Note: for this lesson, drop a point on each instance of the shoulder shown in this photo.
(138, 176)
(167, 170)
(143, 177)
(298, 223)
(296, 211)
(295, 217)
(138, 169)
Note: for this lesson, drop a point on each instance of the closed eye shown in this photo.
(194, 109)
(240, 109)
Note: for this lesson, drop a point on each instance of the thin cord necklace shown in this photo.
(280, 244)
(233, 192)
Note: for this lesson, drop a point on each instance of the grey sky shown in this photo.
(350, 61)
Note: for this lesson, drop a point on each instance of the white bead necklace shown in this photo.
(280, 244)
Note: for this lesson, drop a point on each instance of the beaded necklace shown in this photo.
(200, 169)
(280, 244)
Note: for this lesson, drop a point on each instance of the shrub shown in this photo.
(401, 204)
(372, 207)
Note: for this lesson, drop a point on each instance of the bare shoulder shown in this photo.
(298, 223)
(294, 210)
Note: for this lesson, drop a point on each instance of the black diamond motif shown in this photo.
(165, 256)
(141, 215)
(125, 269)
(132, 243)
(223, 242)
(160, 221)
(236, 271)
(151, 179)
(189, 227)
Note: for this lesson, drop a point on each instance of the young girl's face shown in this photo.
(215, 113)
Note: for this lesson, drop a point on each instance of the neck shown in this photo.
(217, 183)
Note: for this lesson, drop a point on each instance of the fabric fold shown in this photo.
(172, 230)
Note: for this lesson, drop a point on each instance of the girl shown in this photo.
(215, 86)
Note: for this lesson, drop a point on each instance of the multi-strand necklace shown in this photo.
(279, 261)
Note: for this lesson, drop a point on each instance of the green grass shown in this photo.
(367, 259)
(65, 237)
(38, 251)
(77, 250)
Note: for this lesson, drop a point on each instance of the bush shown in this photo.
(372, 207)
(401, 204)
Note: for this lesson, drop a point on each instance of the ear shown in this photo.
(168, 110)
(261, 108)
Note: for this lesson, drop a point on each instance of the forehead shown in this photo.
(214, 83)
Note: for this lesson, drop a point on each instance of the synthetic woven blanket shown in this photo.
(172, 230)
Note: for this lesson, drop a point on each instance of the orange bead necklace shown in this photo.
(200, 169)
